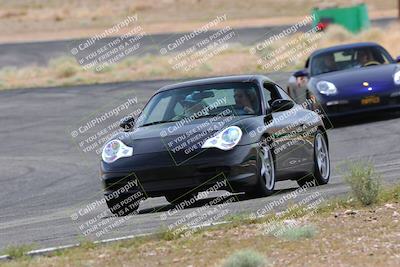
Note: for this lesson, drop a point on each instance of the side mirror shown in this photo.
(398, 59)
(281, 105)
(301, 73)
(127, 123)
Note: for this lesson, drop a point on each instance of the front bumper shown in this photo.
(354, 106)
(158, 173)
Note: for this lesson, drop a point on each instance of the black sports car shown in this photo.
(243, 133)
(349, 79)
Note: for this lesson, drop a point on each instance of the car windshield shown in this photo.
(358, 57)
(223, 99)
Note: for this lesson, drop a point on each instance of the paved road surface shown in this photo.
(45, 177)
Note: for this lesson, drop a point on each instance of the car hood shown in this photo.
(168, 136)
(350, 82)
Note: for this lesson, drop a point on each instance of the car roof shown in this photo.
(343, 46)
(223, 79)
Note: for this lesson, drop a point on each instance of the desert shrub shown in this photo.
(64, 67)
(364, 182)
(245, 258)
(296, 233)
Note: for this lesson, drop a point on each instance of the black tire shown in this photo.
(265, 184)
(318, 177)
(124, 204)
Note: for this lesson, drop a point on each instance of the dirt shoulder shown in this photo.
(333, 236)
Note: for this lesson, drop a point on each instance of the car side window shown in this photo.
(283, 94)
(271, 93)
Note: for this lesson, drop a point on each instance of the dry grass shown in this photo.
(363, 237)
(66, 71)
(30, 18)
(246, 258)
(166, 10)
(341, 233)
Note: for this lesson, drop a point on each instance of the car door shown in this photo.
(308, 122)
(287, 129)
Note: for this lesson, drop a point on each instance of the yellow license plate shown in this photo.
(370, 100)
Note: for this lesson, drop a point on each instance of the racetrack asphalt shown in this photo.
(45, 177)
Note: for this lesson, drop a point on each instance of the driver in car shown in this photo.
(365, 58)
(362, 58)
(328, 64)
(244, 99)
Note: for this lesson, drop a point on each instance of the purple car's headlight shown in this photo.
(326, 88)
(225, 140)
(396, 77)
(114, 150)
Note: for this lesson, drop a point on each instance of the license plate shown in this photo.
(370, 100)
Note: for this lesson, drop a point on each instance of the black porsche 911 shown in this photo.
(241, 129)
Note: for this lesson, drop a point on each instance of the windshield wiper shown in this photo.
(206, 116)
(166, 121)
(213, 115)
(157, 122)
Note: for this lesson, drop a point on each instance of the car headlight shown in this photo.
(114, 150)
(326, 88)
(225, 140)
(396, 77)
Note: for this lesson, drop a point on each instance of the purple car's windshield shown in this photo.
(224, 99)
(349, 58)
